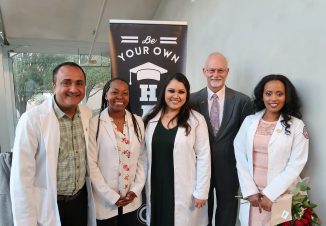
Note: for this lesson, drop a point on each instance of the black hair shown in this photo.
(184, 113)
(104, 104)
(72, 64)
(292, 102)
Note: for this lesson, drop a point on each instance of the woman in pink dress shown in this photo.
(271, 149)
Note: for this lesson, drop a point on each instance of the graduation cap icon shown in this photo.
(147, 71)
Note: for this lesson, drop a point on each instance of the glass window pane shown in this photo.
(33, 78)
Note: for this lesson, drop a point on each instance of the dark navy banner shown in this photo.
(143, 53)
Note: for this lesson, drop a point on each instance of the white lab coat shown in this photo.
(192, 170)
(287, 155)
(33, 184)
(104, 165)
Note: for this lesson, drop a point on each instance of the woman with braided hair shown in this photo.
(116, 157)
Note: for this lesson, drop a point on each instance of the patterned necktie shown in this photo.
(215, 114)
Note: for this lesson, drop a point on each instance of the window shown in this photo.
(33, 78)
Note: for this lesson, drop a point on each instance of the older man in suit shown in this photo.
(224, 110)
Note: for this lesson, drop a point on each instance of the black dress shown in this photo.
(162, 177)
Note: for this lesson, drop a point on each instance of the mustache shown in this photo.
(73, 94)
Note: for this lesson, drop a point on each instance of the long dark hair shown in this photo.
(104, 104)
(292, 102)
(184, 113)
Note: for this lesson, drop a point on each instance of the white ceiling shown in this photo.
(67, 26)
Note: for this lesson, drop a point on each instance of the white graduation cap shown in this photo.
(147, 71)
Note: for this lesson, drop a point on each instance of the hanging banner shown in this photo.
(143, 53)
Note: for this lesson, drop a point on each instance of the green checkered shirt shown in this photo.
(71, 169)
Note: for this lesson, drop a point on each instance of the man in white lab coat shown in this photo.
(49, 184)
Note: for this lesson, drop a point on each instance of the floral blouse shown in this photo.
(124, 156)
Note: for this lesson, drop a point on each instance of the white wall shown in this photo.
(260, 38)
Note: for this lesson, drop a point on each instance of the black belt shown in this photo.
(67, 198)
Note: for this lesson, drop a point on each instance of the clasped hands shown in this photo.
(123, 201)
(261, 201)
(130, 196)
(199, 203)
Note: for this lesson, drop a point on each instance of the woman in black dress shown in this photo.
(178, 152)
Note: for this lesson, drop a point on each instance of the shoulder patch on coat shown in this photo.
(305, 132)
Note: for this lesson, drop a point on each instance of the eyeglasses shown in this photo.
(218, 70)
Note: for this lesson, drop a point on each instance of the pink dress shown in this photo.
(260, 167)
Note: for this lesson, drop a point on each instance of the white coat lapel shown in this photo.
(50, 136)
(107, 124)
(253, 127)
(150, 128)
(251, 135)
(85, 121)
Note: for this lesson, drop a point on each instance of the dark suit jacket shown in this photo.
(236, 107)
